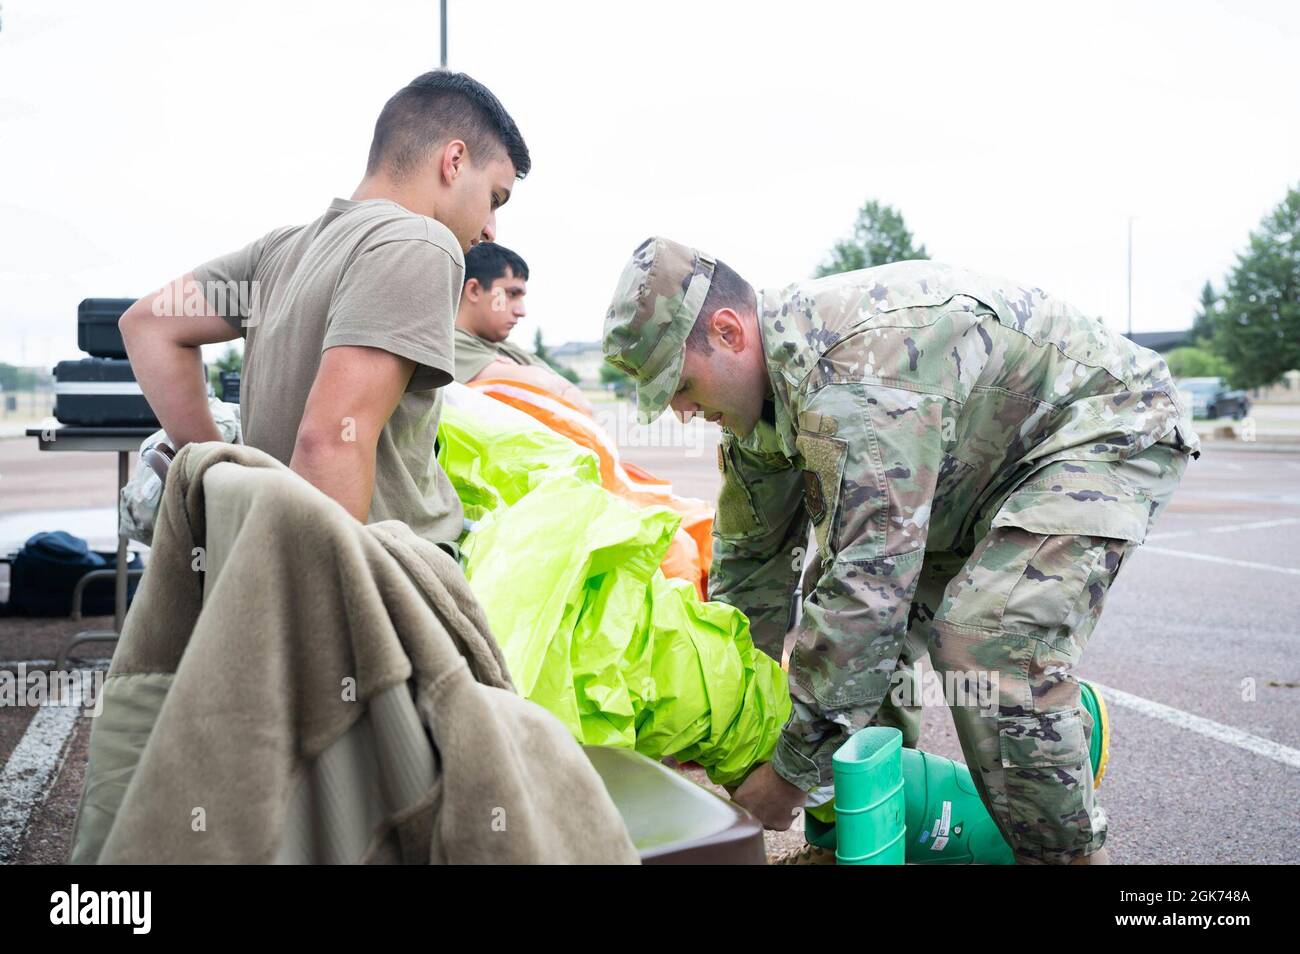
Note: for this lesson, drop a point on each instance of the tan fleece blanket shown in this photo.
(293, 686)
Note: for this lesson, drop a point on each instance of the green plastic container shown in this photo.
(869, 806)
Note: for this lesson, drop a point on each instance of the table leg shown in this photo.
(119, 581)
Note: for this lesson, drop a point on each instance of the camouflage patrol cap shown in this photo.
(659, 296)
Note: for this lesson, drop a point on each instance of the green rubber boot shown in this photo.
(945, 819)
(1099, 744)
(947, 823)
(869, 801)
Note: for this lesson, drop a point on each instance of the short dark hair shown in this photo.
(435, 108)
(727, 290)
(488, 261)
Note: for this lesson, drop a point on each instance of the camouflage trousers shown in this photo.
(1015, 608)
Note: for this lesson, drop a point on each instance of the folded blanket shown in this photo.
(293, 686)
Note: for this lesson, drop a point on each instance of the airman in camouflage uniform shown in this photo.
(977, 460)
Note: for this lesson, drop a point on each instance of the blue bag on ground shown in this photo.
(46, 570)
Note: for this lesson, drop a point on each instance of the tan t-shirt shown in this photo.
(366, 273)
(473, 354)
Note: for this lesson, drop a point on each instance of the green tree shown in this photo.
(13, 378)
(1196, 362)
(232, 359)
(540, 349)
(1258, 329)
(619, 378)
(1203, 323)
(879, 237)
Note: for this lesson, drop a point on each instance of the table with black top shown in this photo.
(122, 441)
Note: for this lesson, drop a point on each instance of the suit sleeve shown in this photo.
(872, 454)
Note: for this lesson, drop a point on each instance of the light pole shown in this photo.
(443, 5)
(1130, 272)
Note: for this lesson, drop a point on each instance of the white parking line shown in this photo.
(1208, 558)
(1206, 727)
(32, 767)
(1227, 528)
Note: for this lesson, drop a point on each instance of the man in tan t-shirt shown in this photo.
(348, 320)
(491, 304)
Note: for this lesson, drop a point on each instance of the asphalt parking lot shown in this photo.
(1195, 653)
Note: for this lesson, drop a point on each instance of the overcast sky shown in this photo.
(138, 139)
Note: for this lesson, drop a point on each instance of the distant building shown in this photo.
(584, 358)
(1285, 390)
(1162, 341)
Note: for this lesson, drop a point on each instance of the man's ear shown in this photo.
(455, 156)
(729, 329)
(472, 290)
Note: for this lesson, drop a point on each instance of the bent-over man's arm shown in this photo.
(873, 454)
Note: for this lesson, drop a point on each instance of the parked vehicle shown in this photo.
(1211, 398)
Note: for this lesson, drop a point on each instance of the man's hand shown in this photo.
(770, 798)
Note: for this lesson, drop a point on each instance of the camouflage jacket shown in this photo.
(910, 403)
